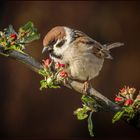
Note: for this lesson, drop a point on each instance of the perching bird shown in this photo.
(82, 55)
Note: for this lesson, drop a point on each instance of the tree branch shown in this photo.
(24, 58)
(104, 102)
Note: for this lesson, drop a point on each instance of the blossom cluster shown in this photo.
(12, 40)
(54, 74)
(127, 96)
(9, 41)
(129, 99)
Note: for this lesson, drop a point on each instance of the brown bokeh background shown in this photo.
(27, 112)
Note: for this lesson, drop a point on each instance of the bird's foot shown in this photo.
(86, 86)
(66, 81)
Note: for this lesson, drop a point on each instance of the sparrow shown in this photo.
(82, 55)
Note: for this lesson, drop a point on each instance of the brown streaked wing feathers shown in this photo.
(87, 40)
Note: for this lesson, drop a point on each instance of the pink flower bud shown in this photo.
(46, 62)
(62, 65)
(118, 99)
(14, 36)
(128, 102)
(123, 91)
(63, 74)
(57, 65)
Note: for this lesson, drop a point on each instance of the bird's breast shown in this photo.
(85, 66)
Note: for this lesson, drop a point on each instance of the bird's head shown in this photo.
(57, 41)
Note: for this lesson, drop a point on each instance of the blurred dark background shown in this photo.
(27, 112)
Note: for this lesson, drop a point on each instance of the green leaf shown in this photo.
(118, 116)
(32, 38)
(43, 72)
(90, 124)
(14, 47)
(129, 109)
(129, 113)
(43, 84)
(27, 26)
(81, 113)
(54, 86)
(30, 33)
(87, 100)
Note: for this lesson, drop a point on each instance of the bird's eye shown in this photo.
(53, 42)
(60, 43)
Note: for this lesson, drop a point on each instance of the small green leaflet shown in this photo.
(30, 33)
(48, 84)
(90, 124)
(82, 113)
(14, 47)
(86, 112)
(88, 101)
(118, 116)
(129, 113)
(43, 84)
(43, 72)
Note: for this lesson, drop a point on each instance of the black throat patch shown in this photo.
(56, 56)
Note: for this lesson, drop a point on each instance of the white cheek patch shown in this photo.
(68, 35)
(60, 50)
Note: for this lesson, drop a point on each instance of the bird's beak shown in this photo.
(48, 49)
(44, 49)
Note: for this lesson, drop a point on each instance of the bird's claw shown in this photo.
(86, 86)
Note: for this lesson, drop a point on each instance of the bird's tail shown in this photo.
(107, 47)
(113, 45)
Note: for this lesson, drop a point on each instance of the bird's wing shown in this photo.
(99, 50)
(94, 46)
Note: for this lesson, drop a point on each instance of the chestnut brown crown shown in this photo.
(55, 33)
